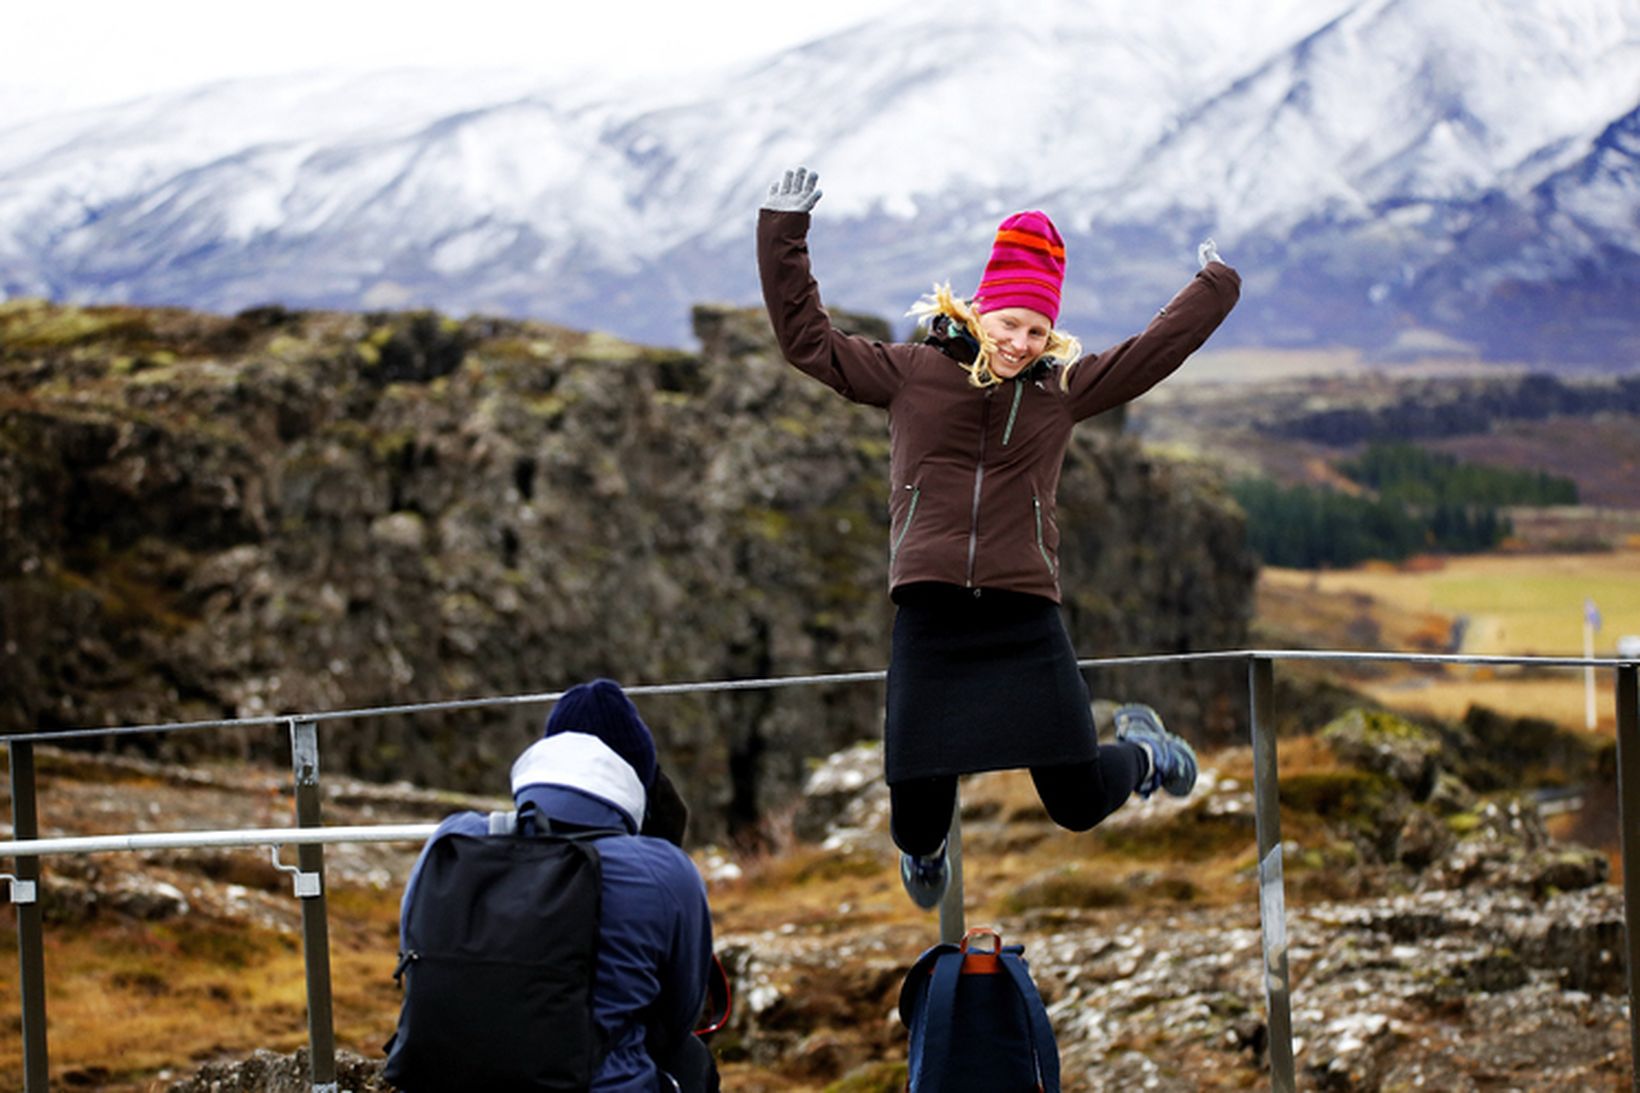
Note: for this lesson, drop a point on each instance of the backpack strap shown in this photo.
(937, 1018)
(1042, 1040)
(504, 823)
(916, 982)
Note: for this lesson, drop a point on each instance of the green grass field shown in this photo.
(1515, 605)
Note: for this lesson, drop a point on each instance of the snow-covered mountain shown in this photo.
(1447, 172)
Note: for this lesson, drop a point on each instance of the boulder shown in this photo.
(1388, 744)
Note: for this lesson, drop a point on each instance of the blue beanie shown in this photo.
(601, 709)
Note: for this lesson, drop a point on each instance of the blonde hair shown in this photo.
(941, 301)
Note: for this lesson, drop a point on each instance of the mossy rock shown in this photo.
(1384, 743)
(1566, 869)
(601, 348)
(1451, 797)
(38, 330)
(1368, 806)
(1423, 840)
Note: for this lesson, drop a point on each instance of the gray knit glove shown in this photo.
(1208, 252)
(794, 193)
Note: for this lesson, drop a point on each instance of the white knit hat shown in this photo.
(582, 762)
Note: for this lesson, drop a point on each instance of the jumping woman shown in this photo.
(981, 674)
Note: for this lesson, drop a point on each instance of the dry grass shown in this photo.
(1511, 604)
(127, 999)
(1560, 697)
(1515, 604)
(811, 889)
(124, 998)
(1017, 860)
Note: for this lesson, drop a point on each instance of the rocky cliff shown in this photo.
(214, 517)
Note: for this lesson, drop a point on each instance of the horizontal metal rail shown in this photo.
(448, 706)
(776, 682)
(190, 840)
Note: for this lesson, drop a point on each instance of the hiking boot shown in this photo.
(1172, 761)
(925, 879)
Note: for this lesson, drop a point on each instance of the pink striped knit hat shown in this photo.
(1027, 266)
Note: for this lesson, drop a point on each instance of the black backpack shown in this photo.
(977, 1022)
(500, 941)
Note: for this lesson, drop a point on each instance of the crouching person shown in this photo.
(559, 946)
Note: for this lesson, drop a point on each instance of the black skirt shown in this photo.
(982, 682)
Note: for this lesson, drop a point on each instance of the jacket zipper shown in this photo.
(1019, 392)
(979, 479)
(1042, 547)
(911, 510)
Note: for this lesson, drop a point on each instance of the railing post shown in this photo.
(310, 859)
(1628, 815)
(30, 929)
(1272, 896)
(951, 920)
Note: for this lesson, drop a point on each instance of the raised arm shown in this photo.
(1125, 371)
(857, 368)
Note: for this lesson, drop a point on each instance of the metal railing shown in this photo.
(309, 835)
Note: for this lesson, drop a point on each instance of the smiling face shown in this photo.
(1021, 336)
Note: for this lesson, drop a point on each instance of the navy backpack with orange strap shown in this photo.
(977, 1022)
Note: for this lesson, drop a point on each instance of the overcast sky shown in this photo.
(86, 52)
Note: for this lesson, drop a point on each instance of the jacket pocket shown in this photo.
(905, 526)
(1041, 543)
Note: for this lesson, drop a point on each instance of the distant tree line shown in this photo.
(1443, 409)
(1420, 501)
(1417, 476)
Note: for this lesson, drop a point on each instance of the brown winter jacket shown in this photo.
(973, 471)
